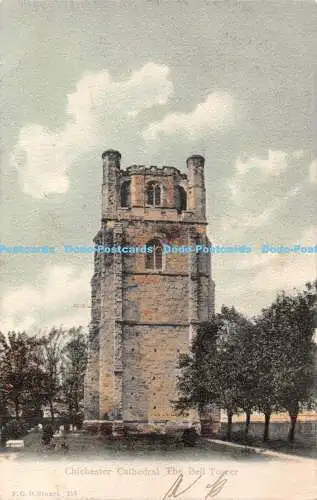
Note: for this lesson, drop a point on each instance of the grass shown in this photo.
(150, 446)
(296, 448)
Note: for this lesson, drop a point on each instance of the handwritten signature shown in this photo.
(213, 488)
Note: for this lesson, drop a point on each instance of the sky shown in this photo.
(159, 81)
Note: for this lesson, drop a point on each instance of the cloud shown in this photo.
(255, 195)
(251, 281)
(260, 169)
(286, 271)
(49, 301)
(250, 220)
(272, 166)
(215, 113)
(96, 113)
(312, 172)
(258, 199)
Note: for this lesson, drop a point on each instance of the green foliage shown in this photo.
(74, 364)
(20, 366)
(47, 369)
(195, 383)
(52, 348)
(14, 429)
(268, 364)
(287, 369)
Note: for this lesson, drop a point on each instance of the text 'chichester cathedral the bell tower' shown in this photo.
(146, 307)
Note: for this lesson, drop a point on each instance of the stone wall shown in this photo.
(150, 361)
(306, 431)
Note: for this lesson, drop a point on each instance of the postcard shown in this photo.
(158, 251)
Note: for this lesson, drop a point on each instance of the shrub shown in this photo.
(14, 429)
(190, 437)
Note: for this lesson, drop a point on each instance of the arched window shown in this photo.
(181, 199)
(154, 260)
(125, 194)
(153, 194)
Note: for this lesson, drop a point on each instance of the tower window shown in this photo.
(181, 199)
(125, 194)
(153, 194)
(154, 260)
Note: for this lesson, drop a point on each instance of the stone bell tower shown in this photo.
(146, 307)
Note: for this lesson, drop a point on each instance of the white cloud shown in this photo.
(250, 220)
(97, 109)
(286, 271)
(276, 163)
(49, 301)
(258, 259)
(248, 185)
(272, 166)
(312, 172)
(215, 113)
(263, 275)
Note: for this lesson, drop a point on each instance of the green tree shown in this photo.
(196, 385)
(225, 372)
(20, 367)
(73, 371)
(296, 326)
(286, 368)
(52, 350)
(242, 343)
(209, 372)
(268, 347)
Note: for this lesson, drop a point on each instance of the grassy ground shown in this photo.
(155, 446)
(297, 448)
(159, 448)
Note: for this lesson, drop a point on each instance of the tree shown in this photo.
(226, 369)
(286, 342)
(4, 414)
(268, 346)
(52, 349)
(20, 367)
(215, 369)
(296, 325)
(73, 371)
(195, 390)
(209, 374)
(241, 339)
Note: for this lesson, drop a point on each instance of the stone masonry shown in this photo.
(143, 318)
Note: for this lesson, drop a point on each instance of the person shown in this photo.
(64, 444)
(48, 434)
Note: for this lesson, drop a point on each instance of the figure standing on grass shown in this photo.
(64, 443)
(48, 434)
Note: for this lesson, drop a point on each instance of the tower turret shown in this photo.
(111, 173)
(196, 197)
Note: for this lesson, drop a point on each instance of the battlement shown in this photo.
(154, 170)
(141, 187)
